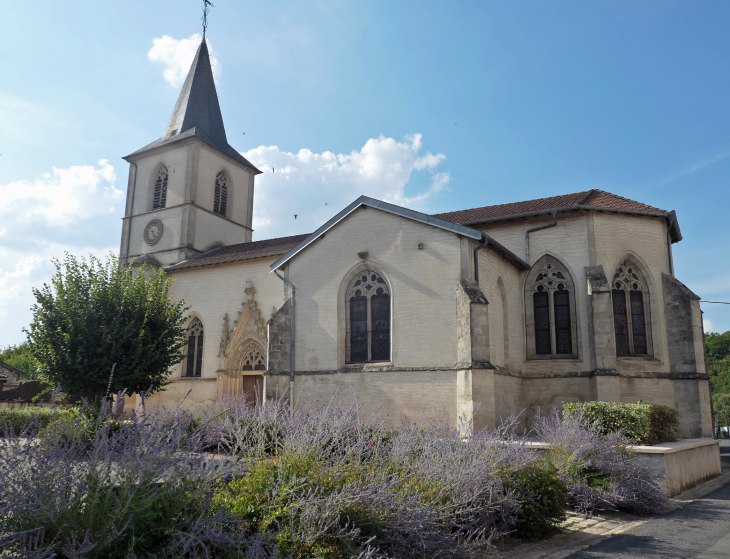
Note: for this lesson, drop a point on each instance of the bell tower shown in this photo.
(190, 190)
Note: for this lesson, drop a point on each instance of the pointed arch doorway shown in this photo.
(243, 354)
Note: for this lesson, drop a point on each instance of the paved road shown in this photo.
(700, 530)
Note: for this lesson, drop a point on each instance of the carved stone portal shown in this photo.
(243, 351)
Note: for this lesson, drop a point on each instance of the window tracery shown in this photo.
(253, 359)
(630, 313)
(220, 199)
(552, 299)
(194, 359)
(160, 195)
(368, 318)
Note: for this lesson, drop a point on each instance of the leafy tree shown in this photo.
(95, 314)
(21, 357)
(718, 361)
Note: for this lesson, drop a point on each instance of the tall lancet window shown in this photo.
(194, 360)
(630, 311)
(550, 304)
(220, 200)
(160, 197)
(368, 319)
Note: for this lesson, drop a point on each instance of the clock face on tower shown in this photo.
(153, 232)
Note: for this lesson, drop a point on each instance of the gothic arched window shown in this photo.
(220, 199)
(194, 360)
(368, 318)
(160, 196)
(550, 301)
(630, 310)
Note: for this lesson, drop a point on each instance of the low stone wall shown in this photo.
(683, 464)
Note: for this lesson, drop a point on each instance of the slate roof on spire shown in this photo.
(197, 112)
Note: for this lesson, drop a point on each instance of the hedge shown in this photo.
(644, 423)
(15, 420)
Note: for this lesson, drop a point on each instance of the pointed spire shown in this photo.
(197, 112)
(197, 106)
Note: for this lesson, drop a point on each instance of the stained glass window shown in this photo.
(563, 335)
(630, 315)
(551, 293)
(369, 319)
(542, 323)
(160, 195)
(194, 359)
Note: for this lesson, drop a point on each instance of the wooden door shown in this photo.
(252, 388)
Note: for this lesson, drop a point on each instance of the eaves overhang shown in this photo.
(383, 206)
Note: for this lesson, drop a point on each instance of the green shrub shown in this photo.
(543, 497)
(15, 420)
(71, 429)
(643, 423)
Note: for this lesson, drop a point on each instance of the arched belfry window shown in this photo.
(220, 199)
(368, 318)
(160, 195)
(550, 307)
(630, 310)
(194, 359)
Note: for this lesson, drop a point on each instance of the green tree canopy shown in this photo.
(21, 357)
(717, 347)
(95, 314)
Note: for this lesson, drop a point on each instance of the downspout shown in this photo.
(131, 211)
(291, 352)
(527, 234)
(485, 242)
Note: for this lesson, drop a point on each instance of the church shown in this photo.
(478, 314)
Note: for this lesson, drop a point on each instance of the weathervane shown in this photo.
(207, 5)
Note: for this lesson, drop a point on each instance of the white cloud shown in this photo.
(177, 57)
(68, 210)
(59, 199)
(315, 186)
(708, 326)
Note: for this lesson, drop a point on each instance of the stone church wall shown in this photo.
(422, 282)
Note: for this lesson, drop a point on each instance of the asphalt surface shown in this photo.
(699, 530)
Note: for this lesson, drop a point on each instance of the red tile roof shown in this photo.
(596, 198)
(242, 251)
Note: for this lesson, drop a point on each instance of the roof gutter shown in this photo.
(527, 234)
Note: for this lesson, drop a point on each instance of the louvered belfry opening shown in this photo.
(160, 196)
(368, 319)
(630, 313)
(220, 199)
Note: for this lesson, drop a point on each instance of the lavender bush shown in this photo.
(340, 483)
(139, 489)
(330, 481)
(601, 472)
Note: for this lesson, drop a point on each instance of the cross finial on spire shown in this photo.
(207, 5)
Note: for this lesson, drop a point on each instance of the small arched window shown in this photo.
(368, 318)
(550, 293)
(220, 199)
(160, 196)
(194, 360)
(630, 310)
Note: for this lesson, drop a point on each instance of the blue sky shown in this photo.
(435, 105)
